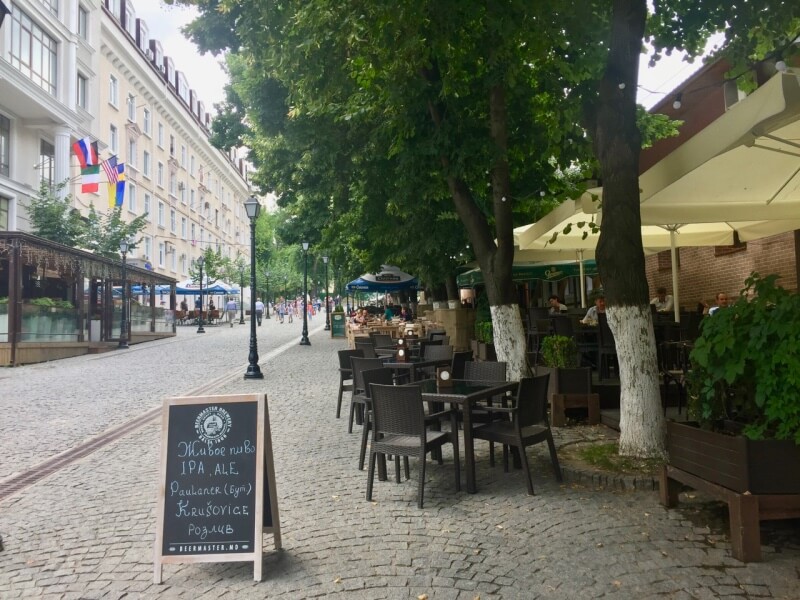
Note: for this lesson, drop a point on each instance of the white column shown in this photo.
(62, 172)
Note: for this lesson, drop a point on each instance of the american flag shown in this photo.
(110, 167)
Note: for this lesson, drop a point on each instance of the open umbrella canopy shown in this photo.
(190, 286)
(389, 279)
(554, 271)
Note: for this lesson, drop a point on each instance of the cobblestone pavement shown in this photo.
(87, 531)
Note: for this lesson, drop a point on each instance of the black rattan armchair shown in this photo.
(345, 374)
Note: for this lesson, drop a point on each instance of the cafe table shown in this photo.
(465, 394)
(413, 363)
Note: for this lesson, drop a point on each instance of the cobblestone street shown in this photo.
(87, 531)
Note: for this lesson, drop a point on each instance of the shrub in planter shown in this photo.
(559, 351)
(746, 363)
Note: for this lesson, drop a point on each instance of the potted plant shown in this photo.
(744, 395)
(485, 336)
(561, 359)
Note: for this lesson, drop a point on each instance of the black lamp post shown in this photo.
(304, 341)
(123, 324)
(327, 300)
(266, 296)
(252, 207)
(241, 295)
(201, 261)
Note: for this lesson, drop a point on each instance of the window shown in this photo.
(173, 221)
(148, 248)
(83, 23)
(146, 123)
(113, 139)
(191, 166)
(183, 156)
(81, 91)
(147, 210)
(5, 144)
(131, 196)
(191, 199)
(130, 20)
(4, 210)
(47, 162)
(132, 151)
(183, 264)
(216, 217)
(161, 250)
(173, 184)
(160, 140)
(183, 227)
(173, 259)
(172, 146)
(160, 174)
(182, 192)
(193, 238)
(160, 214)
(131, 102)
(113, 90)
(33, 52)
(146, 163)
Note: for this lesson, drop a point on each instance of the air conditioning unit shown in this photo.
(181, 186)
(162, 68)
(149, 54)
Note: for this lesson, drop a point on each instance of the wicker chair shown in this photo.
(345, 374)
(459, 361)
(367, 347)
(435, 353)
(382, 376)
(528, 425)
(485, 370)
(382, 340)
(399, 429)
(358, 399)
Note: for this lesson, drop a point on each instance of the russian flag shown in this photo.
(86, 151)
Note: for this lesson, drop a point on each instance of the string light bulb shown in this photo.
(780, 66)
(622, 85)
(678, 101)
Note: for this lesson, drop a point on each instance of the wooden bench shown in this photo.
(745, 510)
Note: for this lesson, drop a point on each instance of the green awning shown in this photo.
(545, 272)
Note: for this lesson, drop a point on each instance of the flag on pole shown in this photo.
(120, 191)
(110, 167)
(4, 10)
(90, 179)
(86, 151)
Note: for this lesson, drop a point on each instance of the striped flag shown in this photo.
(110, 167)
(4, 10)
(120, 191)
(90, 179)
(86, 151)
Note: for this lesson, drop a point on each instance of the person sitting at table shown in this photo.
(598, 309)
(722, 302)
(663, 302)
(211, 305)
(405, 314)
(556, 306)
(184, 306)
(388, 315)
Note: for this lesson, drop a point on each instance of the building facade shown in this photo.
(72, 69)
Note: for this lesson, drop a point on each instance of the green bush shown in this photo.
(46, 302)
(559, 351)
(338, 308)
(746, 363)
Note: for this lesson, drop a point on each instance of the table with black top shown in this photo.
(413, 363)
(465, 394)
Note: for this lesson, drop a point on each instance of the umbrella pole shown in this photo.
(583, 279)
(675, 292)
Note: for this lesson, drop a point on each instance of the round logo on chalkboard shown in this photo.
(212, 424)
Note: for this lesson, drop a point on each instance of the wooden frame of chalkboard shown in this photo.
(214, 501)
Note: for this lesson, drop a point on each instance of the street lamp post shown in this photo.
(304, 341)
(123, 324)
(201, 261)
(253, 371)
(241, 295)
(327, 300)
(266, 296)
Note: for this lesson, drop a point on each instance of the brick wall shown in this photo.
(703, 274)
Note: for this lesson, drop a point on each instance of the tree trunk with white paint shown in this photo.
(509, 340)
(642, 426)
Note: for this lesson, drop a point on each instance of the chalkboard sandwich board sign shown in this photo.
(217, 481)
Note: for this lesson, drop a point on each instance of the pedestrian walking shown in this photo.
(230, 309)
(259, 310)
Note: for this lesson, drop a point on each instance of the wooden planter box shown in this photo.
(735, 462)
(486, 351)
